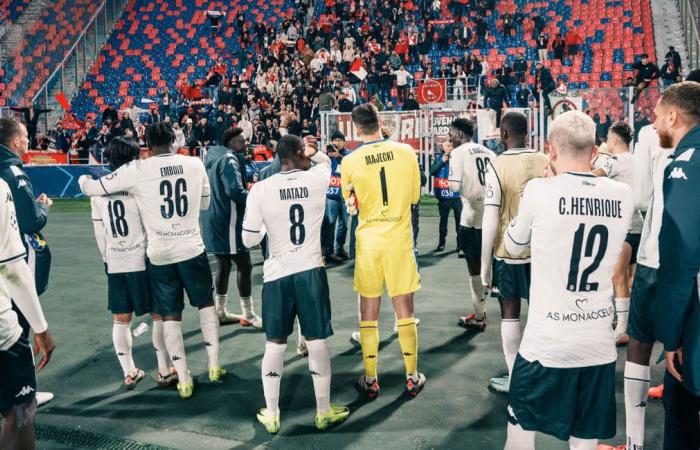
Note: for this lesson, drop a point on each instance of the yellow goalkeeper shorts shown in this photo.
(395, 268)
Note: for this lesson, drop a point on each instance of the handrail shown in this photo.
(690, 30)
(70, 51)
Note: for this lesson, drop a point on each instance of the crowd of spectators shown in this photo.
(351, 53)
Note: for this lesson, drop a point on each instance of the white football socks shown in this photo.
(121, 338)
(209, 323)
(159, 347)
(247, 308)
(519, 439)
(511, 335)
(622, 307)
(476, 289)
(320, 370)
(582, 444)
(172, 332)
(636, 391)
(271, 370)
(220, 301)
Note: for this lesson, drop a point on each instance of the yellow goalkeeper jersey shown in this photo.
(386, 179)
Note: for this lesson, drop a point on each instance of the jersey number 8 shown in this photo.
(297, 233)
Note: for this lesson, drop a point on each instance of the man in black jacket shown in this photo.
(495, 95)
(222, 225)
(109, 114)
(31, 120)
(545, 83)
(32, 214)
(520, 68)
(646, 71)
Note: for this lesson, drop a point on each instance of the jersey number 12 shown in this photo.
(597, 231)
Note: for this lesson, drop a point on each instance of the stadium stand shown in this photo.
(10, 10)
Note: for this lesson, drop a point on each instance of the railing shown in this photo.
(690, 19)
(71, 71)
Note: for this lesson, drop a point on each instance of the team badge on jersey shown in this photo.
(37, 242)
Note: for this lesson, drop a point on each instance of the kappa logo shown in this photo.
(678, 174)
(175, 358)
(272, 374)
(407, 354)
(26, 390)
(642, 404)
(371, 356)
(121, 354)
(313, 372)
(21, 183)
(207, 344)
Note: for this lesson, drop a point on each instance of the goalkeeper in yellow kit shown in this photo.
(382, 179)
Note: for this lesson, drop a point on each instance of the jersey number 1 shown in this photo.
(385, 191)
(572, 283)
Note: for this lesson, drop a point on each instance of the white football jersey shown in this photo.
(11, 247)
(468, 164)
(10, 330)
(169, 191)
(650, 162)
(574, 224)
(621, 167)
(119, 232)
(290, 207)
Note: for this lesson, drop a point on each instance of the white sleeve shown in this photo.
(489, 224)
(98, 226)
(253, 226)
(456, 170)
(321, 165)
(121, 179)
(206, 190)
(517, 238)
(645, 153)
(19, 282)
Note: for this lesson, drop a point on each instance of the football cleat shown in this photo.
(42, 398)
(413, 387)
(255, 321)
(355, 338)
(271, 423)
(656, 392)
(371, 390)
(500, 384)
(337, 414)
(302, 350)
(186, 389)
(167, 380)
(470, 322)
(131, 380)
(216, 374)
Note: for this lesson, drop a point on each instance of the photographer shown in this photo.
(335, 206)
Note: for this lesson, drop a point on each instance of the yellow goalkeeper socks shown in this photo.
(369, 341)
(408, 340)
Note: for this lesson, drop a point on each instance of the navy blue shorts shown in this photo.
(17, 375)
(168, 282)
(129, 292)
(577, 401)
(303, 295)
(642, 314)
(512, 280)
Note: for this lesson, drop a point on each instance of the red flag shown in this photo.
(358, 69)
(63, 101)
(431, 91)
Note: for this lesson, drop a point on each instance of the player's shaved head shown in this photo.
(159, 137)
(366, 118)
(9, 129)
(573, 134)
(290, 147)
(515, 123)
(120, 151)
(694, 76)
